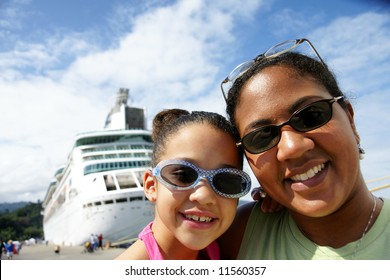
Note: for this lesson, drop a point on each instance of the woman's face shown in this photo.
(312, 172)
(198, 216)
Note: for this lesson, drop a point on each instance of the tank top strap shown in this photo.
(146, 235)
(213, 251)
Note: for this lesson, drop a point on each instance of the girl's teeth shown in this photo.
(199, 219)
(309, 174)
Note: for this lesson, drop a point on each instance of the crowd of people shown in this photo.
(10, 248)
(95, 242)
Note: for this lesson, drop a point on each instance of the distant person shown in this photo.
(195, 184)
(100, 239)
(92, 240)
(10, 247)
(96, 242)
(57, 249)
(18, 247)
(2, 249)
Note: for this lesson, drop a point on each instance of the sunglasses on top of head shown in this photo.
(277, 50)
(183, 175)
(307, 118)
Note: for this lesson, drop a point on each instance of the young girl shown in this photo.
(195, 184)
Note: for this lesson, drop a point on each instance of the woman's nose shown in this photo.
(293, 144)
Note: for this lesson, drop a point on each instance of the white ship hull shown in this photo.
(99, 189)
(118, 222)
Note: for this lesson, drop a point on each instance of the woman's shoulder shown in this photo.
(137, 251)
(385, 205)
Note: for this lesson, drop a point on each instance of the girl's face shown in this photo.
(312, 173)
(198, 216)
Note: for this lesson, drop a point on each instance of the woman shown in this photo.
(298, 133)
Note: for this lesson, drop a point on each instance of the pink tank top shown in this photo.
(146, 235)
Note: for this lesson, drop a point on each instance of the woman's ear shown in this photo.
(350, 114)
(150, 187)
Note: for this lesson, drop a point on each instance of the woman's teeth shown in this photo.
(199, 219)
(308, 174)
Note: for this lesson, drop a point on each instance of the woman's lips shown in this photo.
(308, 174)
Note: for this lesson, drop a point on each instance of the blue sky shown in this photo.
(62, 62)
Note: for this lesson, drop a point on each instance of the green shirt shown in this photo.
(277, 237)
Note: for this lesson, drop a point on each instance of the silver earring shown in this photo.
(262, 192)
(361, 152)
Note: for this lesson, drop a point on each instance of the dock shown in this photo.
(46, 252)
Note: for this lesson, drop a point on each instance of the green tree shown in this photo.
(23, 223)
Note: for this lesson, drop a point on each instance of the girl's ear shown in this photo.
(150, 187)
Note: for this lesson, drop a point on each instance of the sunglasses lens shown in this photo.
(179, 175)
(281, 48)
(313, 116)
(239, 70)
(261, 139)
(229, 183)
(308, 118)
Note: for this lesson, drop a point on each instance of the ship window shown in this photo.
(89, 205)
(126, 181)
(120, 200)
(108, 201)
(139, 175)
(110, 183)
(125, 155)
(135, 198)
(97, 203)
(111, 156)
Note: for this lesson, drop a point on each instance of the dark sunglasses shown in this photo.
(309, 117)
(183, 175)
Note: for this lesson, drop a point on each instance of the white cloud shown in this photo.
(358, 50)
(356, 42)
(66, 84)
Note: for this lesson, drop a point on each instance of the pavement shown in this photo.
(46, 252)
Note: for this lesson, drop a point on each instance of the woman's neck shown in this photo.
(349, 223)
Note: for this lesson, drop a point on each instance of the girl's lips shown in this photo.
(196, 218)
(199, 220)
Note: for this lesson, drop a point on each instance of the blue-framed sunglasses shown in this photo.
(183, 175)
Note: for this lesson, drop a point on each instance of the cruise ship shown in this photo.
(99, 190)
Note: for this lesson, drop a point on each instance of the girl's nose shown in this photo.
(203, 193)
